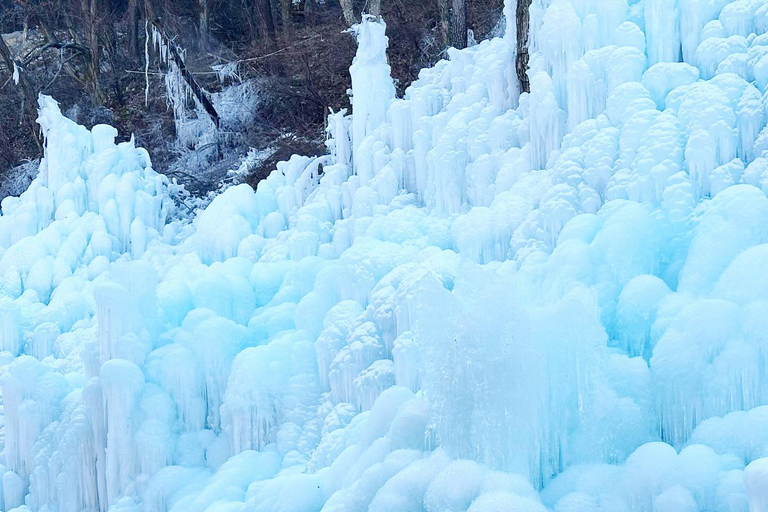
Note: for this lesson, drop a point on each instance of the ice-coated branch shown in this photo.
(172, 54)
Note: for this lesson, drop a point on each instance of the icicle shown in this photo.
(146, 61)
(227, 71)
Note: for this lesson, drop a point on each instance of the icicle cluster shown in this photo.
(192, 128)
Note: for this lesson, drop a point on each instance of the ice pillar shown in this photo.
(662, 31)
(372, 87)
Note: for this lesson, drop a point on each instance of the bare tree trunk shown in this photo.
(285, 14)
(266, 20)
(349, 12)
(453, 22)
(445, 17)
(90, 9)
(133, 29)
(203, 22)
(458, 24)
(522, 22)
(109, 33)
(374, 7)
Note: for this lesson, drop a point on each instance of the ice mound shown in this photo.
(479, 300)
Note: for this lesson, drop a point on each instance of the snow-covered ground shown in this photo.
(478, 301)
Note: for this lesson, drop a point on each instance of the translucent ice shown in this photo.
(485, 301)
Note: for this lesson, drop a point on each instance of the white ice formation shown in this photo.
(479, 301)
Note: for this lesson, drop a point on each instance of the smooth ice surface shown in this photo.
(478, 300)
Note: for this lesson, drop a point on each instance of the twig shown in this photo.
(58, 45)
(200, 182)
(61, 65)
(280, 50)
(161, 74)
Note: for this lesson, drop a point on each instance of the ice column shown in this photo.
(547, 121)
(694, 14)
(338, 137)
(121, 382)
(67, 145)
(561, 43)
(10, 328)
(372, 87)
(510, 18)
(662, 31)
(124, 309)
(510, 36)
(32, 393)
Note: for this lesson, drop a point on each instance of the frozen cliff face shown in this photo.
(477, 301)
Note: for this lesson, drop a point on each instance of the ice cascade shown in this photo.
(478, 300)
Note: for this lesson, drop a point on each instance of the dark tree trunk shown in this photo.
(90, 10)
(266, 21)
(203, 23)
(453, 22)
(458, 24)
(133, 29)
(522, 27)
(445, 19)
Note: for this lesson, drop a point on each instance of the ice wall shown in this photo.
(478, 300)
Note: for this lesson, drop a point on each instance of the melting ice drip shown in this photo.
(485, 301)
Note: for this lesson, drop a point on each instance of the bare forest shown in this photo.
(264, 72)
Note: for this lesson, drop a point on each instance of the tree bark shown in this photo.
(90, 9)
(349, 12)
(445, 17)
(266, 21)
(453, 22)
(133, 29)
(522, 21)
(458, 24)
(203, 22)
(374, 7)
